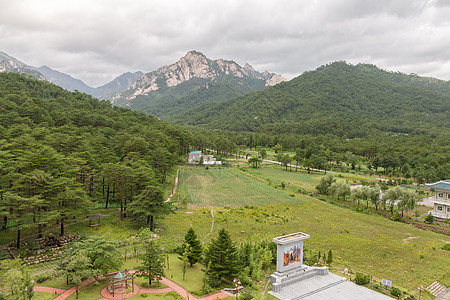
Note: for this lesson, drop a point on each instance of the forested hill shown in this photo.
(340, 99)
(36, 115)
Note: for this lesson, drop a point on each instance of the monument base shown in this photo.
(282, 279)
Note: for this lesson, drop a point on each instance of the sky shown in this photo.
(97, 40)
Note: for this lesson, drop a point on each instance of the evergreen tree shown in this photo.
(222, 258)
(329, 257)
(191, 241)
(152, 257)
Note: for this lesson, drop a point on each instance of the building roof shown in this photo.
(291, 238)
(440, 185)
(330, 287)
(195, 152)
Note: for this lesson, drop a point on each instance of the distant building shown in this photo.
(195, 157)
(441, 199)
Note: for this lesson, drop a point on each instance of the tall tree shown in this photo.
(75, 267)
(149, 203)
(222, 258)
(191, 241)
(151, 256)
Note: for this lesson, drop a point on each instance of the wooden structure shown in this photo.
(95, 217)
(116, 282)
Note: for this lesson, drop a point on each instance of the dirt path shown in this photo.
(174, 187)
(212, 227)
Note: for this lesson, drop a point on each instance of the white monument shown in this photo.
(290, 267)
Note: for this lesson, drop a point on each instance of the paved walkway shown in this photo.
(172, 286)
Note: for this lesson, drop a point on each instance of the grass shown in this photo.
(277, 175)
(193, 281)
(364, 243)
(226, 187)
(165, 296)
(43, 296)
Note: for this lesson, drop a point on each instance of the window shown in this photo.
(448, 195)
(439, 208)
(441, 195)
(448, 209)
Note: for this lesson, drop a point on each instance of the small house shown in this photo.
(194, 157)
(441, 199)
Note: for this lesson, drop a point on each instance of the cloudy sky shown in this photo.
(97, 40)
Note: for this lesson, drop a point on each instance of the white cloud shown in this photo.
(97, 40)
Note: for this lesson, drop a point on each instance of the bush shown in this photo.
(395, 292)
(397, 218)
(446, 247)
(246, 294)
(429, 219)
(43, 277)
(362, 279)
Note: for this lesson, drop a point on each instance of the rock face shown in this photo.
(10, 64)
(275, 79)
(194, 65)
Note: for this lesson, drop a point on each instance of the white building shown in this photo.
(441, 199)
(195, 157)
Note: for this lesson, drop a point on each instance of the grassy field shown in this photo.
(364, 243)
(226, 187)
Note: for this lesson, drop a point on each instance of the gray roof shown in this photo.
(330, 287)
(440, 185)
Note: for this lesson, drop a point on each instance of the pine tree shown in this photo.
(222, 257)
(329, 257)
(152, 257)
(195, 253)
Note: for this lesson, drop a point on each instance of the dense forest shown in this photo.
(339, 99)
(193, 93)
(62, 153)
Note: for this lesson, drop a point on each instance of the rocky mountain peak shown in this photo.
(192, 65)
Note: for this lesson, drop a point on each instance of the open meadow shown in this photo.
(246, 206)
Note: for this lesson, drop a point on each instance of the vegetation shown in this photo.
(62, 153)
(152, 256)
(221, 259)
(377, 246)
(193, 247)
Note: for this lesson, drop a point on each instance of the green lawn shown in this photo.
(43, 296)
(193, 280)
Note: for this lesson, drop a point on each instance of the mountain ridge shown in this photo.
(67, 82)
(338, 98)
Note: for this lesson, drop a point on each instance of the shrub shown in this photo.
(246, 294)
(43, 277)
(446, 247)
(395, 292)
(429, 219)
(362, 279)
(397, 218)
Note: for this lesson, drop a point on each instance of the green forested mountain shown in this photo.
(338, 99)
(61, 152)
(194, 93)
